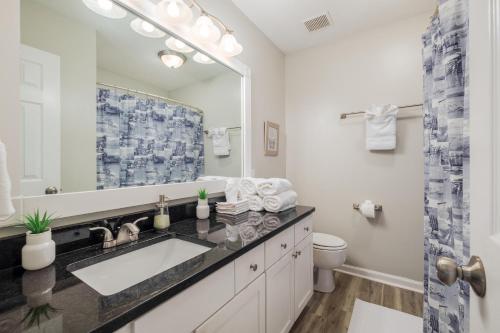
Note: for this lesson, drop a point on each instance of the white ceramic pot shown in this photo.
(202, 210)
(39, 251)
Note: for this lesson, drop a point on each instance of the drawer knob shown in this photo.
(306, 229)
(299, 253)
(294, 255)
(283, 246)
(253, 267)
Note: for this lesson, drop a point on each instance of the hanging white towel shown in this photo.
(280, 202)
(273, 186)
(381, 127)
(6, 207)
(220, 141)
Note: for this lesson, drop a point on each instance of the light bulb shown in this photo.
(105, 4)
(148, 27)
(229, 46)
(228, 43)
(206, 30)
(173, 9)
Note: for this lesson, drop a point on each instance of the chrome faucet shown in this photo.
(129, 232)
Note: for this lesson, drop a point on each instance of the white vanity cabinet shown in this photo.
(289, 283)
(263, 291)
(245, 313)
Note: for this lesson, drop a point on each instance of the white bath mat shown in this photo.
(372, 318)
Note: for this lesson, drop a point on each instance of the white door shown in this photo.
(41, 121)
(280, 295)
(245, 313)
(303, 274)
(485, 158)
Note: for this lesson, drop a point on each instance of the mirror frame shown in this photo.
(79, 203)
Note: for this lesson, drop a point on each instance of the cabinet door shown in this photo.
(245, 313)
(303, 274)
(279, 295)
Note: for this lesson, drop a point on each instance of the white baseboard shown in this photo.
(392, 280)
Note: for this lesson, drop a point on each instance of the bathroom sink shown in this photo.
(116, 274)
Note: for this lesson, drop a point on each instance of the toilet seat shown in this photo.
(328, 242)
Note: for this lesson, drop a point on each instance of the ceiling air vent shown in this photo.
(317, 23)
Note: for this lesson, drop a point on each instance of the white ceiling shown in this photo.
(282, 20)
(123, 51)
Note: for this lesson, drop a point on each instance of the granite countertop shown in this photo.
(54, 300)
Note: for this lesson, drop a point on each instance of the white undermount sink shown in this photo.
(116, 274)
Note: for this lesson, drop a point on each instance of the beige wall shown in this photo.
(220, 100)
(267, 64)
(75, 43)
(108, 77)
(326, 157)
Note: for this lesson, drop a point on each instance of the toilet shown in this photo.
(329, 253)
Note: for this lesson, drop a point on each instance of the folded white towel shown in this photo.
(220, 141)
(273, 186)
(248, 186)
(381, 127)
(232, 208)
(6, 207)
(280, 202)
(255, 203)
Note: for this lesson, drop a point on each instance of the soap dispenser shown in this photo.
(162, 219)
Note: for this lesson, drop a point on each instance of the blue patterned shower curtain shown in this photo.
(146, 141)
(446, 137)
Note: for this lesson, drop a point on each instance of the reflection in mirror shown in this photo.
(111, 101)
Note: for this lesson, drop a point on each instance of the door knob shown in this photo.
(51, 190)
(473, 273)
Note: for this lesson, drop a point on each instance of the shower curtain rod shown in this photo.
(150, 95)
(345, 115)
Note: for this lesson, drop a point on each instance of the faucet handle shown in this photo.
(145, 218)
(109, 240)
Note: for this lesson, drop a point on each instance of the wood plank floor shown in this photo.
(332, 312)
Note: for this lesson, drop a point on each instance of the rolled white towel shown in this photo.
(273, 186)
(6, 207)
(280, 202)
(255, 202)
(248, 186)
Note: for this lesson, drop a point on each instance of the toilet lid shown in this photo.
(328, 241)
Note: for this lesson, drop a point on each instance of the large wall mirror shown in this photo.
(111, 101)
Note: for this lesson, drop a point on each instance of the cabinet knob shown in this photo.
(283, 246)
(253, 267)
(299, 253)
(294, 255)
(306, 229)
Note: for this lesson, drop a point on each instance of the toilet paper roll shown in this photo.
(367, 209)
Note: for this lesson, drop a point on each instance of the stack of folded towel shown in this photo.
(273, 194)
(232, 208)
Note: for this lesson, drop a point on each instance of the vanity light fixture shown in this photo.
(178, 45)
(175, 11)
(146, 29)
(172, 59)
(202, 59)
(205, 30)
(105, 8)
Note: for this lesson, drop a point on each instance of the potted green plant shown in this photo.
(40, 249)
(202, 209)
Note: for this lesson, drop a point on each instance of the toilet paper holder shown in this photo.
(378, 208)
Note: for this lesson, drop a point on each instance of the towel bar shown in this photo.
(378, 208)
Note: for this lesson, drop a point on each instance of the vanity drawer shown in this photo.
(248, 267)
(278, 246)
(303, 229)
